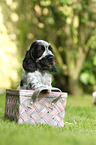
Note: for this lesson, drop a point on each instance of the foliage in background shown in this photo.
(70, 27)
(8, 59)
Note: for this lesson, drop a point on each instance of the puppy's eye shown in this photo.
(50, 48)
(40, 51)
(41, 48)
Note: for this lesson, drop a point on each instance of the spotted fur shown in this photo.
(37, 65)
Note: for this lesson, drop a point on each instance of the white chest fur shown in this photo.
(41, 77)
(37, 79)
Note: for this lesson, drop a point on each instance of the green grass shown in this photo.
(79, 129)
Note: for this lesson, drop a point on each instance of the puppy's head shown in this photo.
(40, 57)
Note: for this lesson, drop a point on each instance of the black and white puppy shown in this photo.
(37, 65)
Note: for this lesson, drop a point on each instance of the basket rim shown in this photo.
(30, 92)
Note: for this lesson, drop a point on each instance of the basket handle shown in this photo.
(37, 92)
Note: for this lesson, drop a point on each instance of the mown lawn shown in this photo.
(79, 129)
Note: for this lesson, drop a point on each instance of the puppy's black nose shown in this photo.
(51, 58)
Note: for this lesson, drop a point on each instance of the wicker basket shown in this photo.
(46, 109)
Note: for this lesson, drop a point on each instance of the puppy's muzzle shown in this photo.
(51, 58)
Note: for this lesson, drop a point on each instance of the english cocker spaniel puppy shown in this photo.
(37, 65)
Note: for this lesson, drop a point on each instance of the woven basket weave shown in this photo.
(19, 108)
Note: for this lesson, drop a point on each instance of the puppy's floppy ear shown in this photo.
(29, 61)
